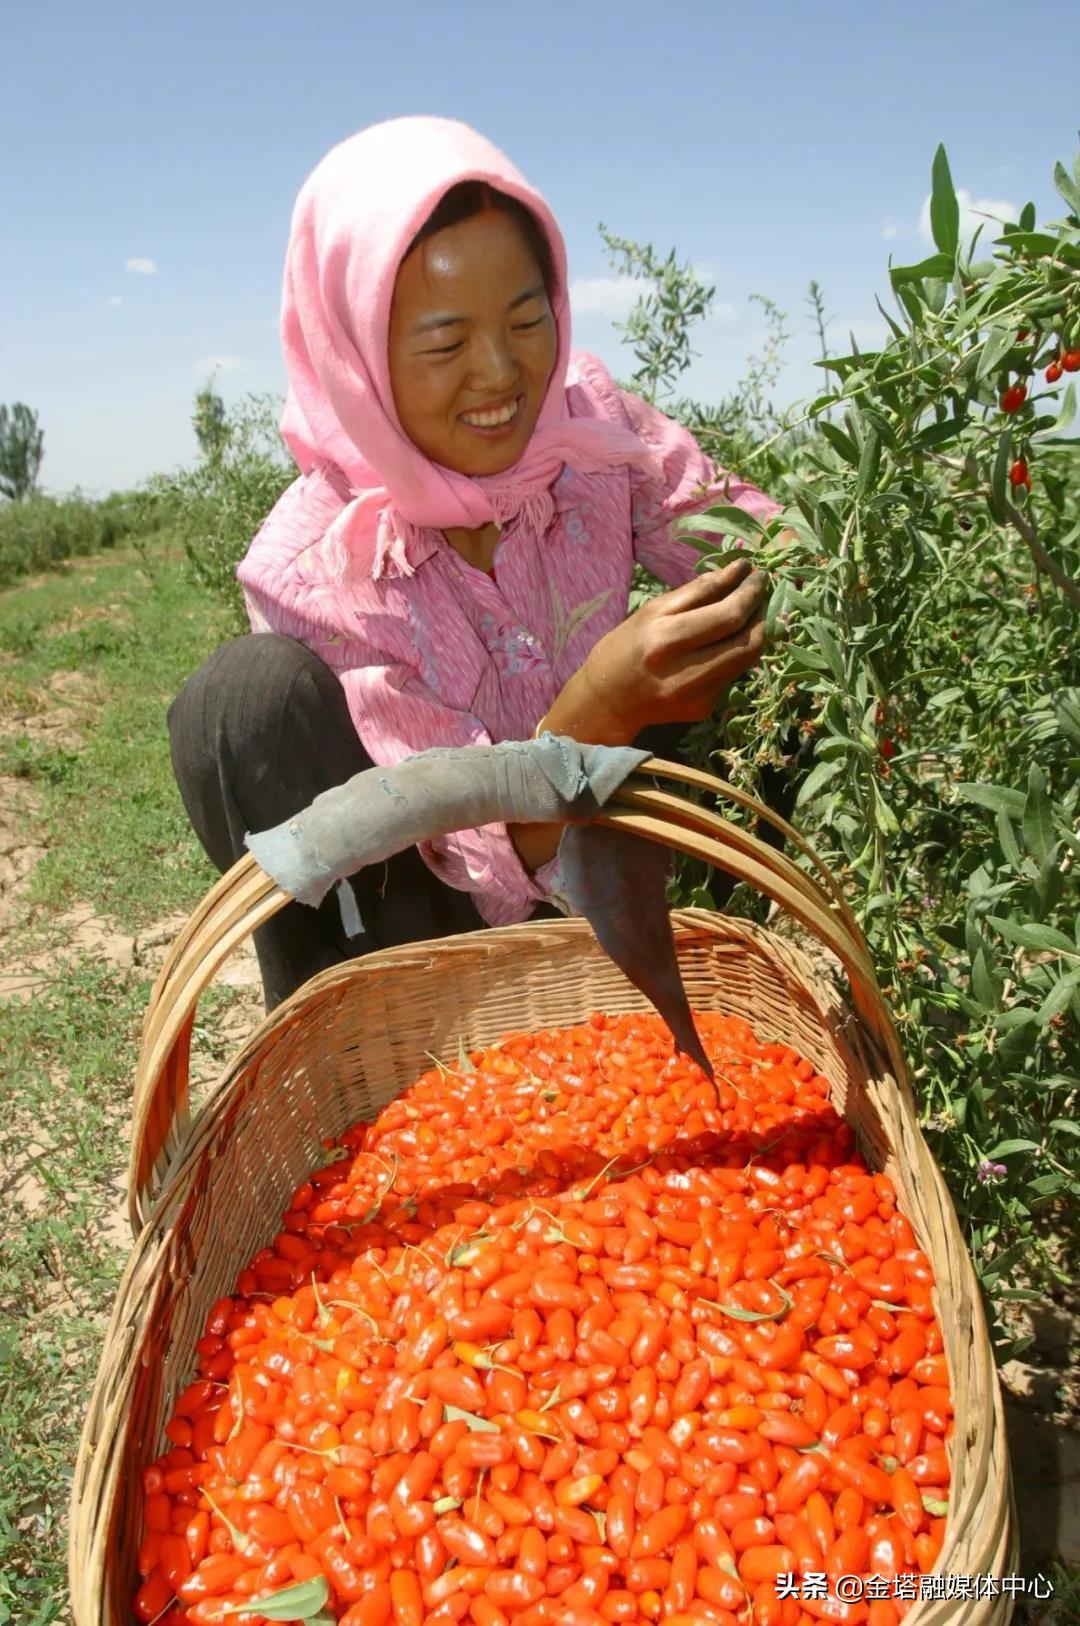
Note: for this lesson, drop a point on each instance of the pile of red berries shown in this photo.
(567, 1335)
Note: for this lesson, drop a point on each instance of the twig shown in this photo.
(1024, 526)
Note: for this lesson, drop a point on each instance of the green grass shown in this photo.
(117, 833)
(119, 840)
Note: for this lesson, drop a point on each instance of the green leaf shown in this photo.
(1038, 825)
(944, 209)
(725, 520)
(884, 816)
(1063, 421)
(999, 341)
(1005, 1147)
(1065, 1125)
(1067, 187)
(939, 266)
(737, 1313)
(868, 464)
(835, 746)
(300, 1602)
(1043, 939)
(1058, 998)
(816, 779)
(828, 646)
(938, 434)
(1018, 1017)
(464, 1063)
(982, 983)
(1000, 473)
(476, 1425)
(1029, 242)
(840, 443)
(998, 798)
(1007, 838)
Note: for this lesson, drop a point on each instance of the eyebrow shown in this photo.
(431, 322)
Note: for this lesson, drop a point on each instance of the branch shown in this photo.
(1025, 527)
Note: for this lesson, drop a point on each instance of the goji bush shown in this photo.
(568, 1334)
(926, 581)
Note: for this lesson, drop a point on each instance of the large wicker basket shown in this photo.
(206, 1194)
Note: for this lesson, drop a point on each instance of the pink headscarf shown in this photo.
(353, 221)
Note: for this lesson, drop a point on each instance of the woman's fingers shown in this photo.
(707, 588)
(719, 664)
(719, 620)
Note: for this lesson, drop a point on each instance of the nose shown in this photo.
(494, 368)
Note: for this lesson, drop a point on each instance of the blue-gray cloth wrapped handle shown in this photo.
(618, 882)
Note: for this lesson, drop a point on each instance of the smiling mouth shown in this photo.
(501, 419)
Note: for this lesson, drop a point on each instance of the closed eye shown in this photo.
(450, 349)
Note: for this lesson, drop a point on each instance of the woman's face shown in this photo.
(472, 338)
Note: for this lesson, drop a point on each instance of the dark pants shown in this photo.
(258, 732)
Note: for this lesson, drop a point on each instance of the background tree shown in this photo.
(21, 442)
(210, 422)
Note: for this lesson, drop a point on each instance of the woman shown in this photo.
(453, 563)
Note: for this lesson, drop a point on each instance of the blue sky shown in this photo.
(153, 153)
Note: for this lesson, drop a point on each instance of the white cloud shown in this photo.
(141, 266)
(115, 299)
(220, 364)
(616, 296)
(973, 213)
(890, 231)
(605, 296)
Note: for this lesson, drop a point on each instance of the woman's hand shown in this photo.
(670, 662)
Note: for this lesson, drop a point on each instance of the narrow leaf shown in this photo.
(999, 341)
(815, 780)
(300, 1602)
(1000, 473)
(737, 1313)
(939, 266)
(476, 1425)
(1005, 1147)
(1058, 999)
(1067, 187)
(1043, 939)
(944, 209)
(868, 464)
(725, 520)
(1038, 825)
(998, 798)
(1007, 838)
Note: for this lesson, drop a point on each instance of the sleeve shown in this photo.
(396, 715)
(690, 483)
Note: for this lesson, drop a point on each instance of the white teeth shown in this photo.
(490, 420)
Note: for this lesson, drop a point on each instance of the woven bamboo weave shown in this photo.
(208, 1193)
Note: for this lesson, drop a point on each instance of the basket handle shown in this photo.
(245, 898)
